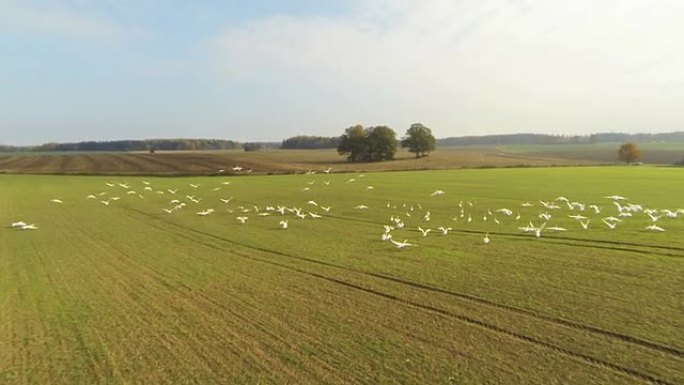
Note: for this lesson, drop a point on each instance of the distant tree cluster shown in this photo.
(251, 146)
(629, 153)
(142, 145)
(310, 142)
(368, 144)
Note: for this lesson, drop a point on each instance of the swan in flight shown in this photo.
(352, 180)
(526, 204)
(59, 201)
(585, 225)
(327, 183)
(283, 224)
(557, 228)
(486, 239)
(437, 193)
(236, 168)
(169, 211)
(91, 196)
(327, 170)
(425, 232)
(401, 245)
(444, 230)
(615, 197)
(225, 183)
(28, 227)
(386, 236)
(361, 207)
(194, 185)
(109, 184)
(505, 211)
(611, 225)
(326, 209)
(597, 210)
(312, 203)
(654, 227)
(577, 217)
(125, 185)
(18, 224)
(172, 192)
(226, 200)
(106, 203)
(242, 219)
(314, 215)
(205, 212)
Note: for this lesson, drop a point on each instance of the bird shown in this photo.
(91, 196)
(425, 232)
(18, 224)
(312, 203)
(194, 185)
(109, 184)
(578, 217)
(28, 227)
(386, 236)
(401, 245)
(205, 212)
(526, 204)
(611, 225)
(370, 188)
(557, 228)
(325, 208)
(327, 183)
(361, 207)
(486, 239)
(283, 224)
(172, 192)
(224, 200)
(327, 170)
(314, 215)
(654, 227)
(444, 230)
(437, 193)
(242, 219)
(237, 168)
(585, 225)
(615, 197)
(59, 201)
(225, 183)
(106, 203)
(147, 188)
(352, 180)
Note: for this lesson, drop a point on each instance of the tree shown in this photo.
(249, 147)
(629, 153)
(419, 140)
(353, 143)
(382, 143)
(368, 144)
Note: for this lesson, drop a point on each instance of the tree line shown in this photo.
(307, 142)
(133, 145)
(543, 139)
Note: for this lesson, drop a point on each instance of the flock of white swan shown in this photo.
(612, 212)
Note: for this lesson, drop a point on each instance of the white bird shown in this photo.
(401, 245)
(125, 185)
(444, 230)
(361, 207)
(611, 225)
(242, 219)
(226, 200)
(370, 188)
(18, 224)
(596, 209)
(326, 209)
(486, 239)
(557, 228)
(327, 183)
(352, 180)
(283, 224)
(306, 189)
(386, 236)
(237, 168)
(194, 185)
(59, 201)
(106, 203)
(312, 203)
(327, 170)
(526, 204)
(115, 198)
(505, 211)
(654, 227)
(578, 217)
(612, 219)
(437, 193)
(585, 225)
(172, 192)
(616, 197)
(425, 232)
(314, 215)
(109, 184)
(205, 212)
(147, 188)
(146, 183)
(225, 183)
(91, 196)
(169, 211)
(29, 227)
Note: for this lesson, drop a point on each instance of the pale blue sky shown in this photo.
(74, 70)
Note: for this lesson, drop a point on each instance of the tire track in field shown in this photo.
(443, 312)
(479, 300)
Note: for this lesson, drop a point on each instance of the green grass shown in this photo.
(127, 293)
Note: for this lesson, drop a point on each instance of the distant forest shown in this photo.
(541, 139)
(321, 142)
(132, 145)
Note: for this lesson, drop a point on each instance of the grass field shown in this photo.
(127, 293)
(651, 153)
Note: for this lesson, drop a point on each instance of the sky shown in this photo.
(264, 70)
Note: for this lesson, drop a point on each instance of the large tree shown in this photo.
(368, 144)
(382, 143)
(419, 140)
(629, 152)
(353, 143)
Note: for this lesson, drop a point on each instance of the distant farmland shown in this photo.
(264, 162)
(142, 289)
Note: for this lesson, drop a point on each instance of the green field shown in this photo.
(127, 293)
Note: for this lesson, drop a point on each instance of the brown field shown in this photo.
(264, 162)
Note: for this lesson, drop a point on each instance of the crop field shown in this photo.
(651, 153)
(262, 162)
(157, 280)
